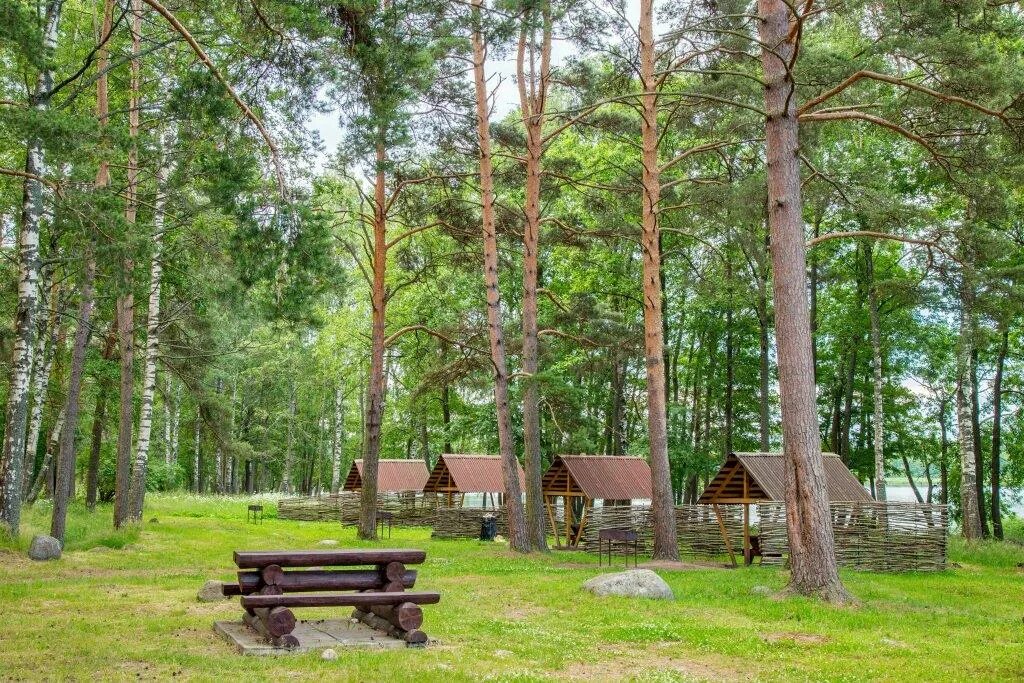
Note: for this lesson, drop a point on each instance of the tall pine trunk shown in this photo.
(533, 91)
(66, 451)
(123, 508)
(808, 520)
(521, 537)
(377, 378)
(666, 544)
(13, 456)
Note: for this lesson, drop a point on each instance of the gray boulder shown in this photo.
(328, 542)
(634, 583)
(212, 591)
(44, 548)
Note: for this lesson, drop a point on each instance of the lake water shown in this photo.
(903, 492)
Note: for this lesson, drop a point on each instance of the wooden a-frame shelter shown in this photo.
(455, 475)
(579, 480)
(747, 478)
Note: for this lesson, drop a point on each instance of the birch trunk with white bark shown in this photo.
(12, 458)
(138, 483)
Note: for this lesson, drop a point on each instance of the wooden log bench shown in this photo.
(375, 581)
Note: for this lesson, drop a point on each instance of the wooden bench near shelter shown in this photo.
(377, 590)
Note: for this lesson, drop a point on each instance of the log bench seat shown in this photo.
(272, 582)
(340, 599)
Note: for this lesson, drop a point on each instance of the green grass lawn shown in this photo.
(122, 606)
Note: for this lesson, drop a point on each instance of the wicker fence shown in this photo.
(407, 510)
(883, 537)
(697, 526)
(457, 522)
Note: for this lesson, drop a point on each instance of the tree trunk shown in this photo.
(138, 483)
(666, 544)
(13, 456)
(970, 508)
(66, 450)
(446, 416)
(943, 454)
(197, 481)
(376, 388)
(44, 354)
(730, 369)
(533, 92)
(997, 432)
(337, 442)
(910, 479)
(878, 420)
(289, 447)
(98, 421)
(763, 321)
(123, 506)
(809, 523)
(520, 536)
(979, 458)
(45, 468)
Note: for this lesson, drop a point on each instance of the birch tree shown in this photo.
(12, 458)
(138, 482)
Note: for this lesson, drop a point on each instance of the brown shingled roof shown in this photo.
(605, 477)
(393, 476)
(767, 479)
(468, 474)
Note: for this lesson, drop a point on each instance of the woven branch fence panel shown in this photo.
(696, 525)
(407, 510)
(878, 537)
(454, 523)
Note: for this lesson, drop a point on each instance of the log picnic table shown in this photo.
(376, 589)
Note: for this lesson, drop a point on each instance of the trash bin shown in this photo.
(488, 528)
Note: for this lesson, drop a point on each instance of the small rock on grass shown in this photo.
(635, 583)
(328, 541)
(761, 590)
(44, 548)
(212, 591)
(329, 654)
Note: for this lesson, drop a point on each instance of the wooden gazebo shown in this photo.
(747, 478)
(579, 480)
(455, 475)
(393, 476)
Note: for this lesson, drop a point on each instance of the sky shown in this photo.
(501, 84)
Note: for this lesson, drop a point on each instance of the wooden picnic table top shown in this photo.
(257, 559)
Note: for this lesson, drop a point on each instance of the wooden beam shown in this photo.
(725, 534)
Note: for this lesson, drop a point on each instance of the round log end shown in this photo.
(394, 571)
(272, 574)
(408, 616)
(280, 621)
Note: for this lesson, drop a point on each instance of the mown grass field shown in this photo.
(122, 606)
